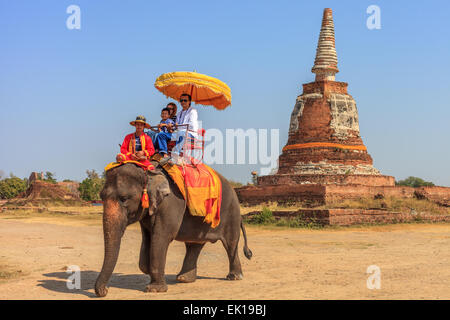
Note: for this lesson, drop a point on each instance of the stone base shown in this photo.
(316, 194)
(344, 217)
(337, 179)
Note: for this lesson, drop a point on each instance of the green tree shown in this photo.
(91, 186)
(11, 187)
(414, 182)
(50, 177)
(92, 174)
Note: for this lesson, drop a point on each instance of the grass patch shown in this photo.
(56, 215)
(8, 272)
(299, 222)
(388, 203)
(418, 208)
(391, 204)
(274, 206)
(266, 218)
(49, 202)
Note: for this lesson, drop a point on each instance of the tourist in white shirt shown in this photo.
(188, 116)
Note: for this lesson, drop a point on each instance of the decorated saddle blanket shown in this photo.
(146, 165)
(201, 188)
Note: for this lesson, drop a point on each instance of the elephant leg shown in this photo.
(158, 254)
(231, 246)
(144, 256)
(188, 272)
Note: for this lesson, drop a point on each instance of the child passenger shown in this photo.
(165, 127)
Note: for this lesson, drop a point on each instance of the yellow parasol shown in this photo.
(203, 89)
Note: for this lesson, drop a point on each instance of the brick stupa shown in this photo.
(324, 147)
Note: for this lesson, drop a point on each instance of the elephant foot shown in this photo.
(154, 287)
(101, 291)
(234, 276)
(187, 277)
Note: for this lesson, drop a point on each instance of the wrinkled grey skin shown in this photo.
(166, 220)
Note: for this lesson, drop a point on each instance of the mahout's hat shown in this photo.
(140, 119)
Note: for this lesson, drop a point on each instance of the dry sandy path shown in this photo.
(287, 264)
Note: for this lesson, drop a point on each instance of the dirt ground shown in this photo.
(328, 263)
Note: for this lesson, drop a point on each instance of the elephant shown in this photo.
(166, 219)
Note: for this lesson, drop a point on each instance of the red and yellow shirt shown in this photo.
(129, 146)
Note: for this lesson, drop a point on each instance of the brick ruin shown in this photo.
(324, 144)
(41, 192)
(325, 158)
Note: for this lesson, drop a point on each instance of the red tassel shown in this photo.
(144, 200)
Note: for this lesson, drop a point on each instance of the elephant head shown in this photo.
(122, 206)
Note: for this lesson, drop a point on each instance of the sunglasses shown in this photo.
(184, 100)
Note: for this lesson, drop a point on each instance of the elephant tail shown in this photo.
(247, 252)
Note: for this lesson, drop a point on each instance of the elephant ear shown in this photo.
(158, 188)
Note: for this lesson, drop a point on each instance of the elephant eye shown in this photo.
(122, 199)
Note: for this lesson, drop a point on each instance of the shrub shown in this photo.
(50, 177)
(265, 217)
(414, 182)
(11, 187)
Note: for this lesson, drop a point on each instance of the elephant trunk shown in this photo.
(114, 223)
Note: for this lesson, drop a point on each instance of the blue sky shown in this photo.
(67, 96)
